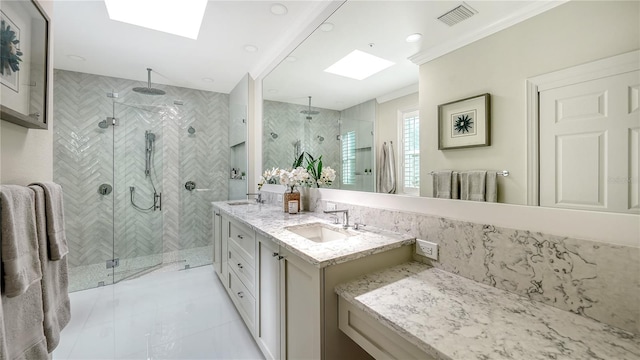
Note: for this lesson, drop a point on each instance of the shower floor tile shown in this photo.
(169, 315)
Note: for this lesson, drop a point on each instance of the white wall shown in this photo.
(26, 155)
(568, 35)
(386, 127)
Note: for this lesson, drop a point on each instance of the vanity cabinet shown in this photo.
(289, 308)
(289, 304)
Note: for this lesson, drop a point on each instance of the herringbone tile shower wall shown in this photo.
(86, 156)
(285, 120)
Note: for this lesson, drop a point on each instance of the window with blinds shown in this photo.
(349, 158)
(410, 152)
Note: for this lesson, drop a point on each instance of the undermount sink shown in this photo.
(239, 203)
(319, 232)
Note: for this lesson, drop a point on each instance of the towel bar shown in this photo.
(504, 173)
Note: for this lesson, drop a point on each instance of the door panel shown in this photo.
(589, 145)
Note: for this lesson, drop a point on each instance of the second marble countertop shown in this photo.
(451, 317)
(271, 221)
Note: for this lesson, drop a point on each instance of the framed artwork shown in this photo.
(24, 63)
(464, 123)
(10, 54)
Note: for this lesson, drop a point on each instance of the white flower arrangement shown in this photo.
(326, 176)
(314, 175)
(296, 177)
(269, 177)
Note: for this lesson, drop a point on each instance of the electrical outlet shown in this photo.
(427, 248)
(331, 206)
(280, 198)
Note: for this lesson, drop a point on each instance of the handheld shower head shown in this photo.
(274, 135)
(320, 138)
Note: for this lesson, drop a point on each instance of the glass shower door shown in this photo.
(138, 170)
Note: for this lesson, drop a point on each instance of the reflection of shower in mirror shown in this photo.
(297, 148)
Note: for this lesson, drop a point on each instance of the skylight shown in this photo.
(359, 65)
(182, 18)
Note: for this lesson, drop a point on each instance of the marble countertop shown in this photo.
(451, 317)
(271, 221)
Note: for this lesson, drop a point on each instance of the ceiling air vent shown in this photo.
(458, 14)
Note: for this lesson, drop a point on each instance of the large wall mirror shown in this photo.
(348, 118)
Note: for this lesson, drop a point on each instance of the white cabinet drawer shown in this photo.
(243, 269)
(378, 340)
(245, 302)
(244, 238)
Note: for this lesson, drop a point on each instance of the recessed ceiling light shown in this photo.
(250, 48)
(358, 65)
(182, 18)
(291, 58)
(209, 80)
(327, 26)
(76, 57)
(279, 9)
(414, 37)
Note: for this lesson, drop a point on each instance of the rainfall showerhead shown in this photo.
(274, 135)
(309, 112)
(148, 90)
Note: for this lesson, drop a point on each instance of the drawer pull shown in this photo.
(240, 237)
(240, 294)
(275, 254)
(240, 265)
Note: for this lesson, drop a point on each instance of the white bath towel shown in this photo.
(472, 185)
(442, 181)
(387, 170)
(55, 280)
(20, 262)
(57, 241)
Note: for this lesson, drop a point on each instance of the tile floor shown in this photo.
(163, 315)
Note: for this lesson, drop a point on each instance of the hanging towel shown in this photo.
(55, 280)
(491, 193)
(23, 334)
(455, 185)
(57, 241)
(387, 170)
(20, 262)
(442, 184)
(472, 185)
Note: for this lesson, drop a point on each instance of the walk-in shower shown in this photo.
(116, 157)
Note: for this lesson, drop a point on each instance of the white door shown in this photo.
(589, 137)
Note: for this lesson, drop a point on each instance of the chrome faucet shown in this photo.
(258, 197)
(345, 218)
